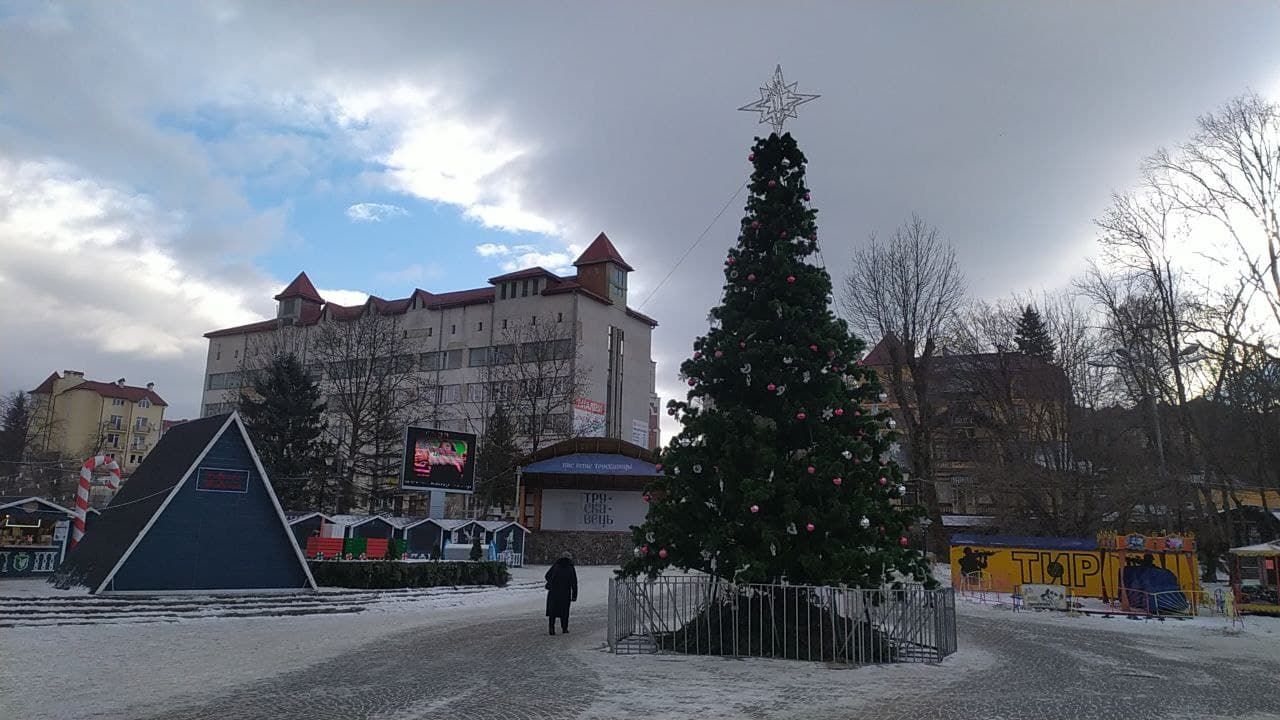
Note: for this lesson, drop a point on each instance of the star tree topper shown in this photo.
(778, 101)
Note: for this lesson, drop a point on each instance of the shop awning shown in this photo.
(593, 464)
(1267, 549)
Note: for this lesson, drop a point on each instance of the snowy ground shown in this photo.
(487, 655)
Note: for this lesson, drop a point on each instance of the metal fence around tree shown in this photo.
(701, 615)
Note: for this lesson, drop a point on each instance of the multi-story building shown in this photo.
(989, 410)
(453, 339)
(74, 417)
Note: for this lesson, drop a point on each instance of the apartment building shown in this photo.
(75, 417)
(453, 337)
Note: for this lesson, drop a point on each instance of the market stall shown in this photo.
(33, 536)
(1255, 577)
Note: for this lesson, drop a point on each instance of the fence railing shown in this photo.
(700, 615)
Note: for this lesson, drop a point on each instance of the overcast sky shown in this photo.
(165, 168)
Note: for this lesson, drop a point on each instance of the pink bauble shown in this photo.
(742, 344)
(839, 412)
(773, 183)
(644, 549)
(658, 467)
(671, 412)
(857, 461)
(783, 234)
(857, 413)
(836, 481)
(719, 353)
(801, 416)
(811, 469)
(883, 480)
(791, 279)
(697, 355)
(730, 261)
(813, 348)
(831, 353)
(646, 497)
(751, 277)
(755, 508)
(809, 527)
(806, 197)
(755, 223)
(903, 541)
(692, 382)
(752, 157)
(662, 553)
(772, 387)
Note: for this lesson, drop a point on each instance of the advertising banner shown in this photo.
(588, 418)
(438, 460)
(599, 510)
(219, 480)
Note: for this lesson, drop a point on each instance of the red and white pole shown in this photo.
(104, 462)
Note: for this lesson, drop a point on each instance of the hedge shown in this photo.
(392, 574)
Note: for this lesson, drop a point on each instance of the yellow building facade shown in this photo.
(76, 418)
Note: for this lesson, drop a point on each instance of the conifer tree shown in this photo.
(782, 468)
(1032, 335)
(283, 413)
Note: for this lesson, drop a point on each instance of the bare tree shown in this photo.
(1230, 171)
(907, 292)
(370, 372)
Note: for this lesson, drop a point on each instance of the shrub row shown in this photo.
(370, 575)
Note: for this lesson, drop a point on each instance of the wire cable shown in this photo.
(694, 245)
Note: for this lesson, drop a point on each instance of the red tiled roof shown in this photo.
(601, 250)
(260, 326)
(526, 273)
(572, 285)
(879, 354)
(111, 390)
(46, 387)
(343, 312)
(477, 296)
(301, 287)
(642, 318)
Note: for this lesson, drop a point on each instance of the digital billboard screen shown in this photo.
(439, 460)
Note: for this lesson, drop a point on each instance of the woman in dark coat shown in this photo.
(562, 589)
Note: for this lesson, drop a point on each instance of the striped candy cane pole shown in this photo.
(105, 462)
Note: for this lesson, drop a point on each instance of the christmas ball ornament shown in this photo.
(644, 549)
(783, 234)
(811, 469)
(847, 454)
(658, 467)
(733, 274)
(903, 541)
(751, 157)
(662, 553)
(883, 397)
(730, 261)
(742, 344)
(836, 481)
(646, 497)
(839, 412)
(671, 412)
(801, 416)
(692, 382)
(773, 183)
(755, 509)
(902, 490)
(806, 197)
(791, 279)
(883, 480)
(831, 353)
(697, 356)
(755, 224)
(813, 348)
(809, 527)
(751, 277)
(772, 387)
(864, 523)
(719, 353)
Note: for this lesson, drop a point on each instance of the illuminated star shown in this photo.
(778, 101)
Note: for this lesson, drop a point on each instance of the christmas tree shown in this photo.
(1032, 335)
(782, 468)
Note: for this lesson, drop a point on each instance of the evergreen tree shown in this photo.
(1032, 335)
(283, 413)
(781, 470)
(477, 552)
(497, 460)
(15, 433)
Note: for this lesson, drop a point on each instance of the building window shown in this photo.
(113, 440)
(453, 329)
(535, 285)
(117, 401)
(450, 394)
(135, 459)
(480, 325)
(117, 422)
(478, 357)
(504, 324)
(503, 355)
(524, 288)
(534, 321)
(475, 392)
(453, 360)
(223, 381)
(237, 353)
(140, 425)
(430, 361)
(559, 317)
(144, 403)
(617, 284)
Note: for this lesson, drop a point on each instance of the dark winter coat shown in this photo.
(562, 588)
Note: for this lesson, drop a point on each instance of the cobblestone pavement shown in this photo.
(510, 669)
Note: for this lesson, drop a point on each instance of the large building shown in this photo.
(453, 340)
(75, 418)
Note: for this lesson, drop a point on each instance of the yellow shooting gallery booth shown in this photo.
(1109, 567)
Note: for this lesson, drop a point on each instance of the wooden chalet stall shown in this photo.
(307, 525)
(581, 497)
(1255, 578)
(33, 535)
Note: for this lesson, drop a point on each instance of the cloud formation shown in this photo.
(374, 212)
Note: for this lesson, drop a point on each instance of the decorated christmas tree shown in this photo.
(782, 469)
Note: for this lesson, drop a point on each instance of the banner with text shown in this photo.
(599, 510)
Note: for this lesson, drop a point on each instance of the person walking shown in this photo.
(562, 589)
